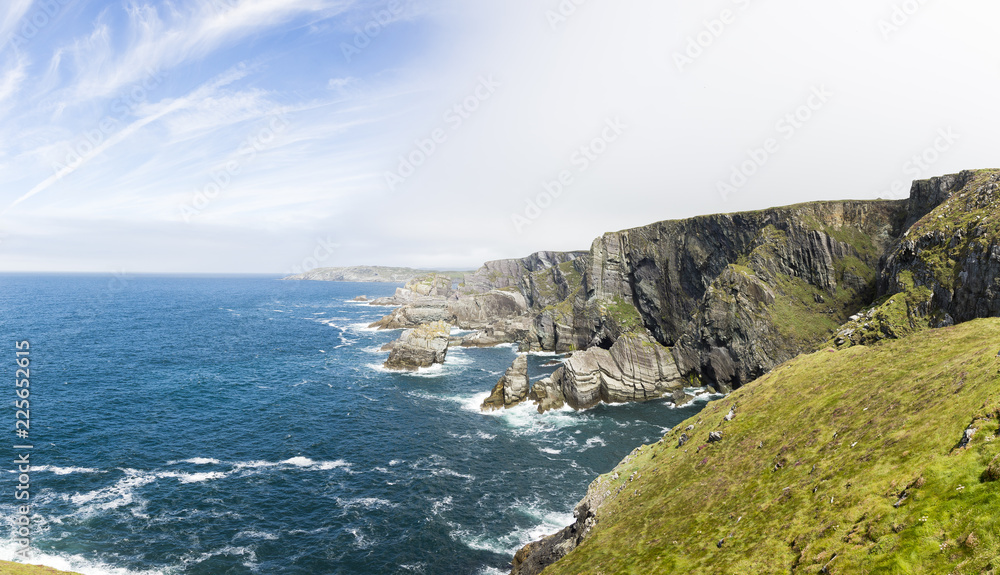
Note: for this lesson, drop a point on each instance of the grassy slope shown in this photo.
(851, 431)
(7, 568)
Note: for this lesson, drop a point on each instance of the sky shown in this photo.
(275, 136)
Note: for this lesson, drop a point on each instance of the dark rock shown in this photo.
(715, 437)
(683, 439)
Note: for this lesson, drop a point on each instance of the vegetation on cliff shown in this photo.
(8, 568)
(872, 459)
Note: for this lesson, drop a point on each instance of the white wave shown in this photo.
(460, 331)
(65, 470)
(525, 419)
(395, 462)
(249, 553)
(550, 451)
(594, 442)
(360, 541)
(196, 477)
(366, 502)
(327, 465)
(197, 461)
(491, 571)
(486, 436)
(251, 534)
(445, 472)
(362, 327)
(444, 504)
(68, 562)
(299, 462)
(547, 523)
(546, 353)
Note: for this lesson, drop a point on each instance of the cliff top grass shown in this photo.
(8, 568)
(843, 462)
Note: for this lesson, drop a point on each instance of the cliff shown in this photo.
(730, 296)
(872, 459)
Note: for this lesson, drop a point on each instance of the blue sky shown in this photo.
(274, 135)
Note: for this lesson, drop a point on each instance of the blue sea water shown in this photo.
(238, 425)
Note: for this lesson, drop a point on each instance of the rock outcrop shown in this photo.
(419, 347)
(512, 388)
(636, 368)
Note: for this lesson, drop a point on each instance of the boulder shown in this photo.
(512, 388)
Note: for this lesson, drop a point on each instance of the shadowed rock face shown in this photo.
(512, 388)
(952, 250)
(419, 347)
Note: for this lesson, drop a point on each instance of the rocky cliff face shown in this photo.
(738, 293)
(514, 273)
(733, 295)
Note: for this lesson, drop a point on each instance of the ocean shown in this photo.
(237, 425)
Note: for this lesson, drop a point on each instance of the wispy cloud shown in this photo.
(161, 38)
(154, 113)
(11, 13)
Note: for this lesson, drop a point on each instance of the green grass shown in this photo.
(808, 473)
(8, 568)
(623, 314)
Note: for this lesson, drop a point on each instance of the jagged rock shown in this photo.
(536, 556)
(477, 311)
(514, 273)
(636, 368)
(715, 437)
(682, 440)
(679, 398)
(512, 388)
(547, 393)
(419, 347)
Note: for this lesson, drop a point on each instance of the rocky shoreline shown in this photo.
(714, 301)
